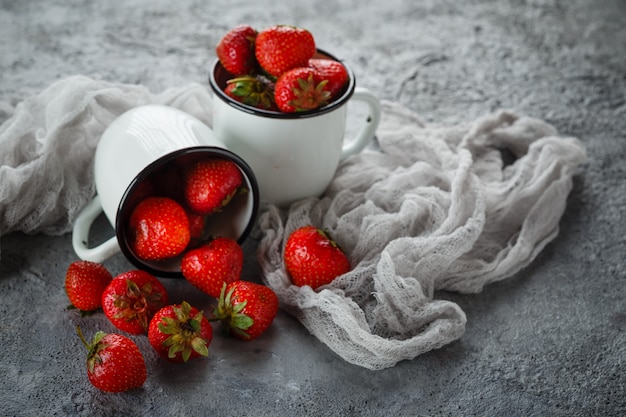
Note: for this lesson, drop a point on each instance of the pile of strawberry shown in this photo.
(136, 303)
(175, 204)
(277, 69)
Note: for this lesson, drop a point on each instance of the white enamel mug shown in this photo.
(293, 155)
(138, 144)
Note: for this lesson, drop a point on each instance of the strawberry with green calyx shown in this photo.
(210, 184)
(213, 264)
(251, 91)
(85, 282)
(246, 309)
(235, 50)
(158, 229)
(300, 89)
(131, 299)
(114, 362)
(281, 48)
(313, 258)
(180, 333)
(333, 71)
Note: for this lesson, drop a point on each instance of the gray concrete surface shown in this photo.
(547, 342)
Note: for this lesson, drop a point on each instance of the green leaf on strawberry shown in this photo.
(179, 333)
(333, 72)
(246, 309)
(301, 89)
(131, 299)
(252, 91)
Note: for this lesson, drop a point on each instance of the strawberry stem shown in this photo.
(230, 315)
(183, 332)
(93, 348)
(138, 303)
(82, 338)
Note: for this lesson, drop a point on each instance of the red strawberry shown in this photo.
(247, 308)
(179, 333)
(85, 282)
(281, 48)
(159, 229)
(211, 184)
(131, 299)
(333, 71)
(213, 264)
(313, 258)
(236, 50)
(251, 91)
(300, 89)
(114, 362)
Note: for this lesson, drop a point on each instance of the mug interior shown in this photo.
(219, 76)
(235, 220)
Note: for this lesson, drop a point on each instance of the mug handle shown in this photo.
(366, 133)
(80, 235)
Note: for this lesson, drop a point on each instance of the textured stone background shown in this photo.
(547, 342)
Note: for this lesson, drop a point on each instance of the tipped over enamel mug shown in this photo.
(293, 155)
(141, 143)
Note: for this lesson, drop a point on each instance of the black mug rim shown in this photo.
(338, 102)
(124, 210)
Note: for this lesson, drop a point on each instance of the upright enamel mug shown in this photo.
(293, 155)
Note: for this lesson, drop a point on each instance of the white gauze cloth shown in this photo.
(435, 208)
(48, 144)
(432, 208)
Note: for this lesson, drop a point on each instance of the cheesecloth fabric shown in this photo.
(434, 208)
(429, 208)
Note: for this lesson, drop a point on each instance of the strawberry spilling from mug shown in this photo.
(175, 206)
(159, 228)
(213, 264)
(210, 184)
(278, 69)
